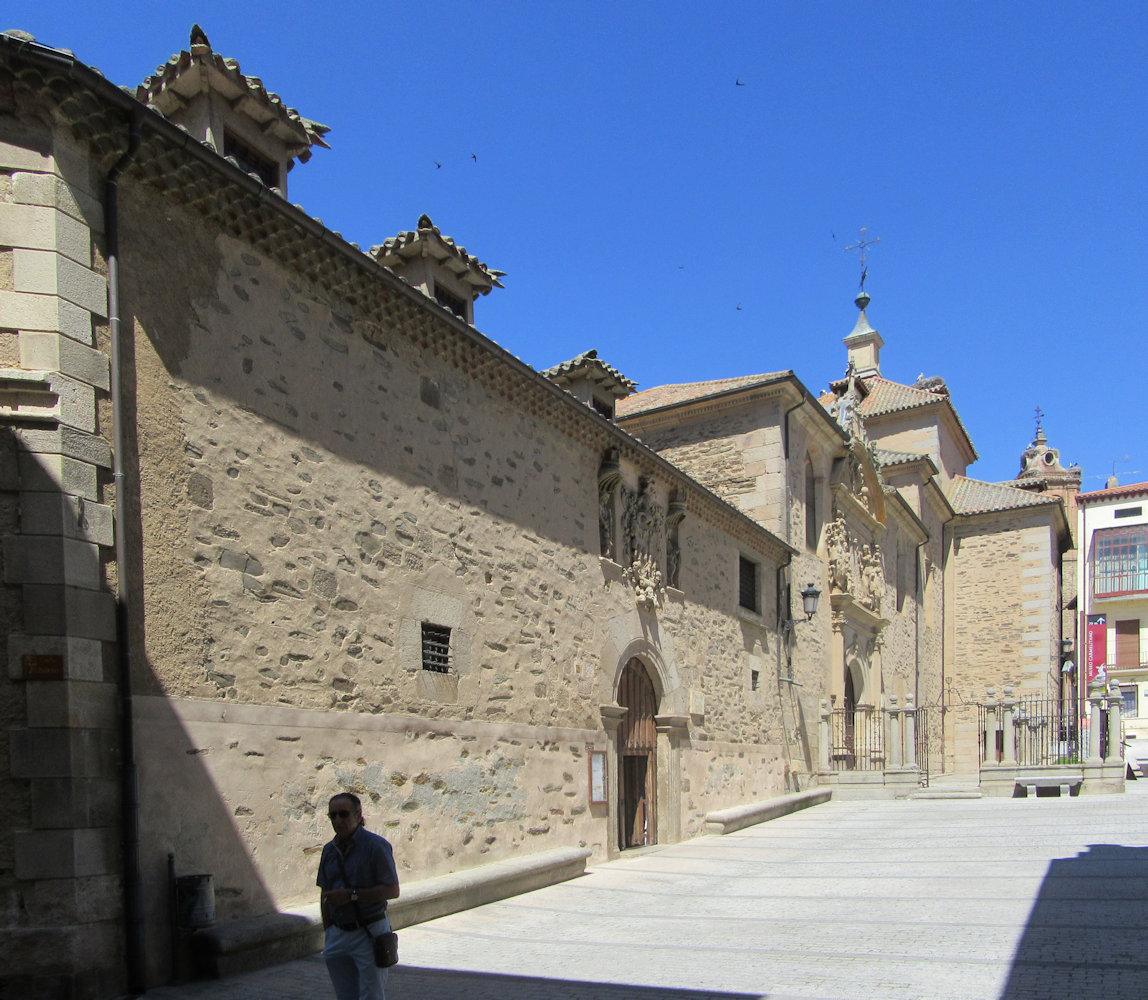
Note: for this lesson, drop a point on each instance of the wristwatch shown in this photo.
(354, 895)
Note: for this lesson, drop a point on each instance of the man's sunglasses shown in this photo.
(339, 814)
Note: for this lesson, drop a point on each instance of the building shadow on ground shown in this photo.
(1087, 934)
(409, 983)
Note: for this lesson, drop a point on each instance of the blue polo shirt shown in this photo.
(369, 862)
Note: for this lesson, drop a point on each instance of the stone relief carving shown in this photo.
(845, 409)
(854, 567)
(609, 476)
(645, 579)
(643, 538)
(675, 514)
(837, 543)
(872, 578)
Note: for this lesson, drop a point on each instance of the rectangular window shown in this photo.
(447, 298)
(1129, 709)
(250, 161)
(1120, 561)
(747, 588)
(1128, 512)
(436, 648)
(1128, 644)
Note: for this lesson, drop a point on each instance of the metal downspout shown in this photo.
(129, 776)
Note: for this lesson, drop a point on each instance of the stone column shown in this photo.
(1008, 703)
(63, 856)
(1115, 703)
(1095, 721)
(909, 732)
(893, 734)
(673, 731)
(823, 738)
(612, 716)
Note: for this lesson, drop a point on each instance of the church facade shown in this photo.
(278, 520)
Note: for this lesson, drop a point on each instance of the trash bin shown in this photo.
(195, 901)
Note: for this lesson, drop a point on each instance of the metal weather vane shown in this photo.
(862, 245)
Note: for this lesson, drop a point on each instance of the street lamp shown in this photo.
(809, 598)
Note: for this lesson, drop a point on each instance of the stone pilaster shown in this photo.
(59, 612)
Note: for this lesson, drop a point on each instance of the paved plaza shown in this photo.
(947, 899)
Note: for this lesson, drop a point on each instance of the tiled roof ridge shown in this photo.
(887, 456)
(975, 496)
(201, 53)
(678, 393)
(886, 396)
(1131, 489)
(916, 395)
(589, 358)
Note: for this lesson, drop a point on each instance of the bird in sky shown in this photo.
(437, 164)
(473, 157)
(739, 307)
(738, 83)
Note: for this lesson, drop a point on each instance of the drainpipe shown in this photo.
(129, 776)
(917, 631)
(785, 485)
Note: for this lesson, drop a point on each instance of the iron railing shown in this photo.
(922, 744)
(857, 740)
(1043, 733)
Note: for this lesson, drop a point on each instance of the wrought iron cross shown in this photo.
(862, 245)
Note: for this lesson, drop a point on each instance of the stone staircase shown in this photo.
(951, 786)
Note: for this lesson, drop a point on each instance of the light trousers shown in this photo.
(350, 958)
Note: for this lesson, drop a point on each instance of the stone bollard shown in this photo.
(909, 732)
(990, 733)
(893, 733)
(823, 736)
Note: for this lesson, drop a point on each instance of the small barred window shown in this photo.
(748, 596)
(436, 648)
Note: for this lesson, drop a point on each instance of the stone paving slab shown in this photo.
(1007, 899)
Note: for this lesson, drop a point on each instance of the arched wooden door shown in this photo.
(637, 754)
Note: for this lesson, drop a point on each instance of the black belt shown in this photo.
(359, 927)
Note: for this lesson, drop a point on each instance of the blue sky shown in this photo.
(605, 158)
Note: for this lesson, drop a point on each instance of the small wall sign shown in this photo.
(43, 666)
(597, 777)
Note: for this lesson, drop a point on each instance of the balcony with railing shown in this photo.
(1120, 561)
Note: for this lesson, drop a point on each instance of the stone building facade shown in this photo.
(278, 520)
(356, 545)
(941, 586)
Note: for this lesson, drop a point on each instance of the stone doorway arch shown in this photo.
(849, 704)
(637, 757)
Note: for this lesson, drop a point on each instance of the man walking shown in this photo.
(357, 876)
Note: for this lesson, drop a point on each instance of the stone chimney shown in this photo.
(214, 102)
(597, 384)
(440, 268)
